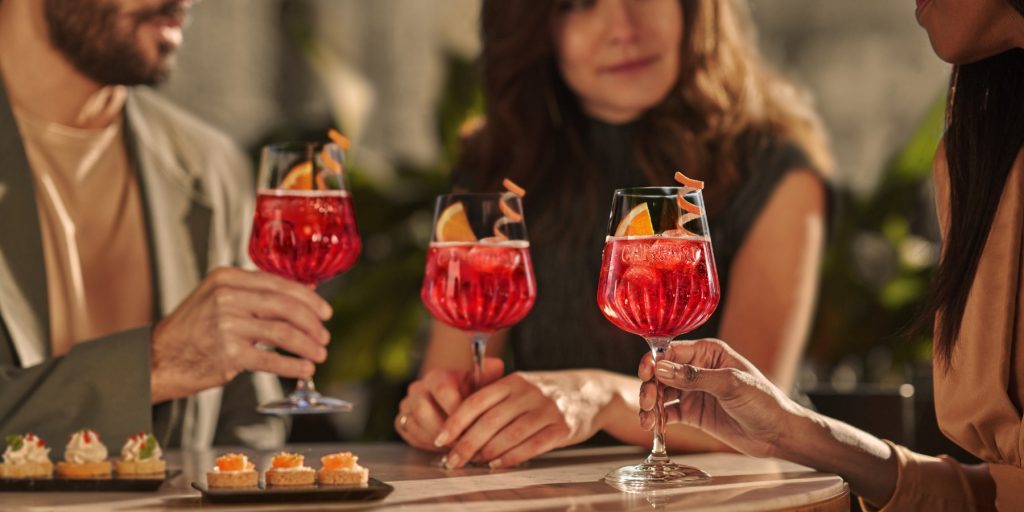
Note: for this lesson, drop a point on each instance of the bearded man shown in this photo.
(122, 225)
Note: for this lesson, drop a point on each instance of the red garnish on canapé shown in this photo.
(86, 437)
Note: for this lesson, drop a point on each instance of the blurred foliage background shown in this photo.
(400, 78)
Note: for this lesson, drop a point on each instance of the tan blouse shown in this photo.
(93, 230)
(978, 400)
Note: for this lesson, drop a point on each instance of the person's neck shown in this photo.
(41, 82)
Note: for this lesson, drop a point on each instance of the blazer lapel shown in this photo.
(178, 222)
(23, 299)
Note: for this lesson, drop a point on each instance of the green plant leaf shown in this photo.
(148, 447)
(14, 441)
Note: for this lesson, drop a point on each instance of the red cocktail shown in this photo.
(304, 229)
(307, 236)
(658, 286)
(479, 277)
(479, 287)
(658, 280)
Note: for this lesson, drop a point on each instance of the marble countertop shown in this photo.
(570, 479)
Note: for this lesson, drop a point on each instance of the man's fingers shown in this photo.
(257, 280)
(277, 306)
(544, 441)
(254, 359)
(282, 335)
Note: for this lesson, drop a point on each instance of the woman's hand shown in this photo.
(524, 415)
(711, 387)
(433, 398)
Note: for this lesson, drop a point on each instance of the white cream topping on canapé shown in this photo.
(135, 448)
(26, 449)
(85, 447)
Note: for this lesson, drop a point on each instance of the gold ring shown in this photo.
(402, 420)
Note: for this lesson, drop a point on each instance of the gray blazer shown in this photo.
(196, 191)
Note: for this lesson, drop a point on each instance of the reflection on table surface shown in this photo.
(570, 479)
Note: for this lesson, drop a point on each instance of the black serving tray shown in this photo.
(112, 484)
(372, 491)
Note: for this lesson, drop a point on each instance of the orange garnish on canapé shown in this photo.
(636, 223)
(341, 460)
(453, 225)
(232, 462)
(287, 460)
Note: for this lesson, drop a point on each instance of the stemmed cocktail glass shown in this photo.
(479, 277)
(658, 280)
(304, 229)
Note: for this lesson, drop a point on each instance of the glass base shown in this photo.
(305, 402)
(655, 475)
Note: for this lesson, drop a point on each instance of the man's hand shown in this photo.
(211, 336)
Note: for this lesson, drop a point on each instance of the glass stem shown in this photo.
(479, 351)
(658, 455)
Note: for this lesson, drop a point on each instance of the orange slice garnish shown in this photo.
(636, 223)
(232, 462)
(287, 460)
(339, 139)
(341, 460)
(300, 177)
(453, 225)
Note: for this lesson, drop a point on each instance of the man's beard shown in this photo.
(88, 34)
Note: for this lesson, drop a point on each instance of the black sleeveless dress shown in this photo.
(565, 329)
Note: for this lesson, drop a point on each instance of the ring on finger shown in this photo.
(402, 420)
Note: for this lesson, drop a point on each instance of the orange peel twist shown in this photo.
(692, 211)
(509, 215)
(342, 142)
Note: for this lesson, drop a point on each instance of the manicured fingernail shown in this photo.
(453, 461)
(665, 371)
(496, 463)
(326, 311)
(441, 439)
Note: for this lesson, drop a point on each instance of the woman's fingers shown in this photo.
(443, 387)
(722, 383)
(513, 434)
(483, 430)
(472, 408)
(548, 438)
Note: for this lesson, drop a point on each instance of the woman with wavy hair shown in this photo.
(977, 305)
(587, 96)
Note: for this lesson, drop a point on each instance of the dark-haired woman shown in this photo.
(586, 96)
(977, 305)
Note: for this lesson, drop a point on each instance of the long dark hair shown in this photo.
(724, 104)
(984, 135)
